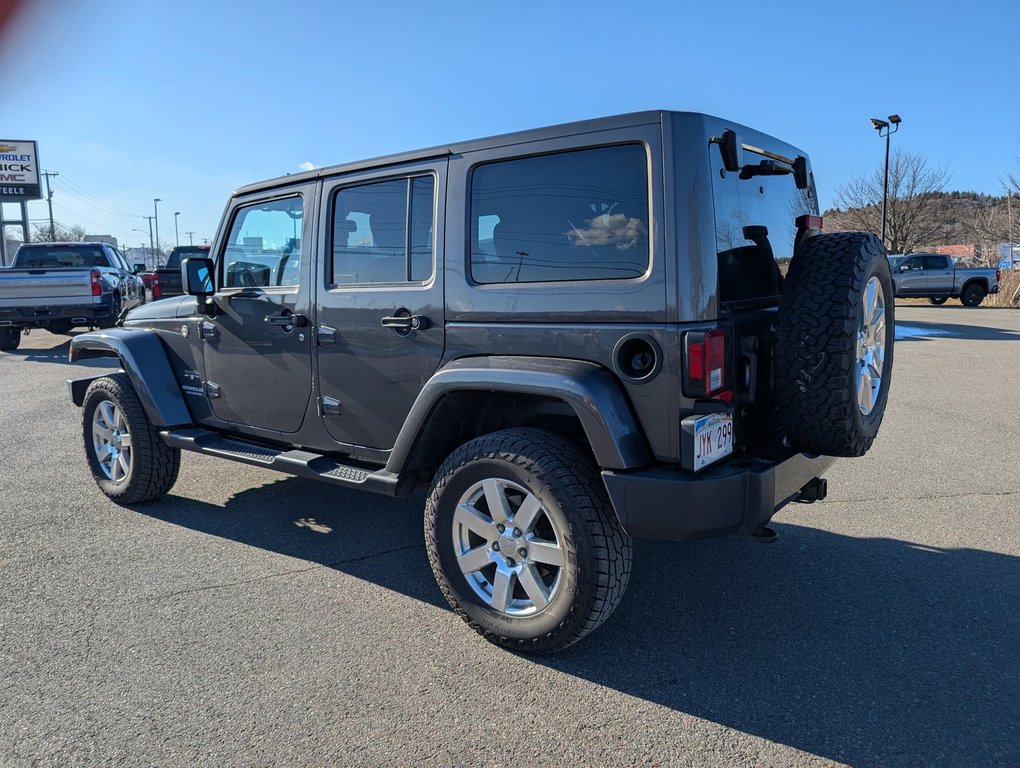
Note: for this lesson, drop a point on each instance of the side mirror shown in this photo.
(138, 268)
(197, 276)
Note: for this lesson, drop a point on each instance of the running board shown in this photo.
(315, 466)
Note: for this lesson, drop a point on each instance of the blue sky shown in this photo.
(136, 99)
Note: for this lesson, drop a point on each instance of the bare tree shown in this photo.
(914, 207)
(61, 234)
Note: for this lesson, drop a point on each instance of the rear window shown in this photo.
(43, 257)
(755, 228)
(579, 215)
(173, 261)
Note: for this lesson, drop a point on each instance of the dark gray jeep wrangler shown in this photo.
(572, 336)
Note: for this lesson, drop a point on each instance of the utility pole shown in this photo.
(49, 201)
(177, 237)
(191, 238)
(155, 257)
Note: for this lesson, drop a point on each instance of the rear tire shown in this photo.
(972, 295)
(834, 344)
(938, 300)
(523, 541)
(128, 459)
(10, 338)
(60, 328)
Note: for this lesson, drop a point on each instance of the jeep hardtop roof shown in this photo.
(708, 124)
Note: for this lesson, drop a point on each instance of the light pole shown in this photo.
(155, 207)
(177, 237)
(880, 126)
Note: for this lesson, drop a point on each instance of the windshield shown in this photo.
(42, 257)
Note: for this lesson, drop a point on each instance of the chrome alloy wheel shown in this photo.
(870, 346)
(508, 548)
(111, 441)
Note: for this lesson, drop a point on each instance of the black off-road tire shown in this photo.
(154, 464)
(820, 317)
(973, 295)
(938, 300)
(597, 552)
(10, 339)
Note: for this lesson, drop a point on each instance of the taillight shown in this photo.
(705, 356)
(154, 286)
(97, 285)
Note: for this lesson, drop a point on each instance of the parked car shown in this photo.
(60, 286)
(933, 275)
(166, 280)
(571, 336)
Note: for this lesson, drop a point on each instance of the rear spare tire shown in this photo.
(834, 344)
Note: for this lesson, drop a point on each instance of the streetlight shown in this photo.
(155, 207)
(177, 237)
(882, 125)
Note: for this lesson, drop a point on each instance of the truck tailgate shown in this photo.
(50, 287)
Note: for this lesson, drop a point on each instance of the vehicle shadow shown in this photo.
(916, 330)
(864, 651)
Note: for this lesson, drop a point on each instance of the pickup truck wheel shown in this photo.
(129, 460)
(972, 295)
(938, 300)
(10, 339)
(834, 344)
(61, 328)
(523, 541)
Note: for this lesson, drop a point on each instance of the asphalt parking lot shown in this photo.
(252, 618)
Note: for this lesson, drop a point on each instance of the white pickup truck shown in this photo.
(60, 286)
(933, 275)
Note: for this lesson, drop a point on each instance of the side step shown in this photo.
(314, 466)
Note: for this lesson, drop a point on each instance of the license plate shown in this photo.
(713, 439)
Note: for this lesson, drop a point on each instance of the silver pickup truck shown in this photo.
(933, 275)
(60, 286)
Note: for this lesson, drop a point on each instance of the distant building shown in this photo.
(108, 239)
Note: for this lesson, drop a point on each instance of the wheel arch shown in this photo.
(473, 396)
(981, 281)
(143, 358)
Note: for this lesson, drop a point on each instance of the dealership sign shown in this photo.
(19, 171)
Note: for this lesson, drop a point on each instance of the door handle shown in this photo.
(288, 320)
(405, 323)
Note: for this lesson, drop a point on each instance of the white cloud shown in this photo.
(307, 166)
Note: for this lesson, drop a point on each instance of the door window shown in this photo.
(910, 264)
(383, 232)
(264, 245)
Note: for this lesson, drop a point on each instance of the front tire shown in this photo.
(523, 541)
(972, 295)
(129, 460)
(938, 300)
(10, 339)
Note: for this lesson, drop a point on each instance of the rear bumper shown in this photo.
(42, 316)
(738, 497)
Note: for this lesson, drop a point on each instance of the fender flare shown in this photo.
(144, 360)
(590, 390)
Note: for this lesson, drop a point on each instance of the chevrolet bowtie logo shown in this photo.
(7, 148)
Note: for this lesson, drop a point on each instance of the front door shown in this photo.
(912, 277)
(258, 344)
(380, 310)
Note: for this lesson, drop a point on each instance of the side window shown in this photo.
(383, 232)
(579, 215)
(264, 245)
(936, 262)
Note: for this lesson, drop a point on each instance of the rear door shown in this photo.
(380, 309)
(939, 274)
